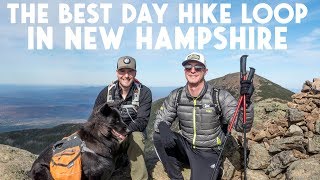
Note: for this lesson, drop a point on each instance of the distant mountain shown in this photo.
(264, 88)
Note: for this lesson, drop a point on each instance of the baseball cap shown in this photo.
(126, 62)
(195, 57)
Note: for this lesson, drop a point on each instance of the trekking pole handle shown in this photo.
(243, 62)
(251, 74)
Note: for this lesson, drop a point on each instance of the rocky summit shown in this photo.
(284, 142)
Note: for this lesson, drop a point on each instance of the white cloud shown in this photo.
(311, 37)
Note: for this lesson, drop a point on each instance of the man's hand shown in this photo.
(167, 136)
(246, 88)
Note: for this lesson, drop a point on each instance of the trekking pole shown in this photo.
(243, 76)
(243, 73)
(235, 115)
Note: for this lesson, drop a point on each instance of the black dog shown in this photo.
(102, 134)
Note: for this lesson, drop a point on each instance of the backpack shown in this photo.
(65, 163)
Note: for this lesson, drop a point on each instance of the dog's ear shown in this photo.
(105, 109)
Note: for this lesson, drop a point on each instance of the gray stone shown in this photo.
(317, 127)
(280, 162)
(259, 157)
(294, 130)
(256, 175)
(294, 142)
(314, 144)
(294, 115)
(304, 169)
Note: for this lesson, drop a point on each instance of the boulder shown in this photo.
(15, 163)
(294, 130)
(314, 144)
(295, 115)
(259, 157)
(304, 169)
(294, 142)
(280, 162)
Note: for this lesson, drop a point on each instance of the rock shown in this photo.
(304, 128)
(159, 173)
(273, 129)
(310, 123)
(308, 134)
(229, 171)
(317, 127)
(299, 95)
(305, 88)
(292, 105)
(314, 96)
(280, 162)
(316, 84)
(294, 130)
(295, 115)
(315, 113)
(299, 155)
(316, 102)
(281, 122)
(294, 142)
(300, 101)
(260, 135)
(15, 163)
(256, 175)
(304, 169)
(314, 144)
(259, 157)
(280, 176)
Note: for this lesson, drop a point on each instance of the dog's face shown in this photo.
(110, 122)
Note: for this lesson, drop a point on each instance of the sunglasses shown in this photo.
(188, 67)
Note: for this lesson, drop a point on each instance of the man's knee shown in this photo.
(137, 136)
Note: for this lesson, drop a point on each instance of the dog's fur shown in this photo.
(99, 136)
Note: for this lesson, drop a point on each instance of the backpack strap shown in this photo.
(136, 94)
(110, 95)
(215, 100)
(178, 96)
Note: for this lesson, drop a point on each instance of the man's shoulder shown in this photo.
(104, 89)
(176, 91)
(145, 88)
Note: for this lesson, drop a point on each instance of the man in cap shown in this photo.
(202, 111)
(134, 103)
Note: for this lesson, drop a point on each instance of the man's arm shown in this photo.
(168, 111)
(101, 98)
(228, 106)
(143, 112)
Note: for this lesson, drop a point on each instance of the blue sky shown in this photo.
(289, 68)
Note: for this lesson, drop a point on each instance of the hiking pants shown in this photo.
(135, 153)
(201, 161)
